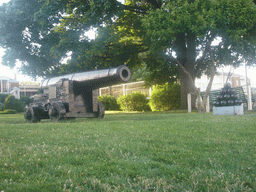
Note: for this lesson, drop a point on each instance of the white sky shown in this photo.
(3, 1)
(6, 71)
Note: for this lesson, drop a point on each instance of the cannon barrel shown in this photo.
(94, 79)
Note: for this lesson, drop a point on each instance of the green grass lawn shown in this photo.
(129, 152)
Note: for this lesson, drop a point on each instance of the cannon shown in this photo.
(74, 95)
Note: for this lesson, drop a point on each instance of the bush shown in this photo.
(2, 97)
(109, 102)
(165, 97)
(26, 100)
(12, 103)
(8, 111)
(135, 101)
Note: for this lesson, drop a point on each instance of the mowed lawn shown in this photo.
(129, 152)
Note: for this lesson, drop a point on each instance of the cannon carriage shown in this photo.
(74, 95)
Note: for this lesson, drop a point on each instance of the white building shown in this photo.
(12, 86)
(219, 80)
(28, 90)
(16, 92)
(7, 84)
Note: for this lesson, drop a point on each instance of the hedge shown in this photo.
(109, 102)
(165, 97)
(135, 101)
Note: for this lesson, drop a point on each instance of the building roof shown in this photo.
(226, 74)
(7, 78)
(17, 88)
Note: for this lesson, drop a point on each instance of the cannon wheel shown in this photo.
(56, 112)
(101, 111)
(31, 115)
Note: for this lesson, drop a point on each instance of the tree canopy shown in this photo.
(172, 38)
(187, 30)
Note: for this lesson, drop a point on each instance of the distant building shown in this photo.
(219, 80)
(16, 92)
(12, 86)
(7, 84)
(28, 90)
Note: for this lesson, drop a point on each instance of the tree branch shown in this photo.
(188, 74)
(173, 60)
(201, 60)
(212, 73)
(135, 9)
(155, 3)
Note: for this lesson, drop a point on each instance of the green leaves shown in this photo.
(162, 25)
(233, 21)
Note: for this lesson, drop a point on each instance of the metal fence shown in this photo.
(124, 89)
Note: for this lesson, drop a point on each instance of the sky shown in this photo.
(11, 73)
(6, 71)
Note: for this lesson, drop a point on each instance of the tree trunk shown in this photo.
(186, 55)
(186, 87)
(212, 73)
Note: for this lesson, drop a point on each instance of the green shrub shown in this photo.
(2, 97)
(109, 102)
(12, 103)
(8, 111)
(1, 106)
(26, 100)
(135, 101)
(165, 97)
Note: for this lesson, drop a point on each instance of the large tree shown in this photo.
(41, 33)
(186, 30)
(173, 37)
(21, 37)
